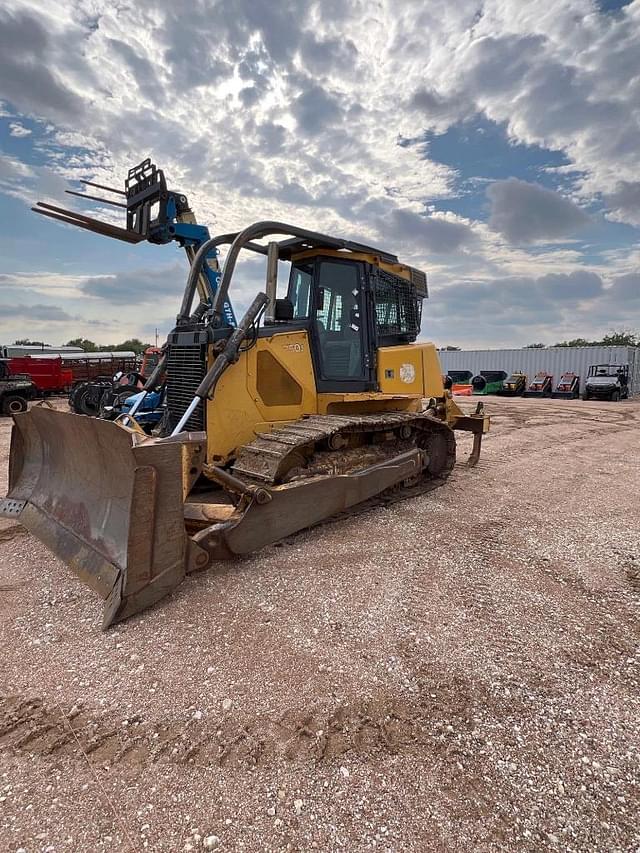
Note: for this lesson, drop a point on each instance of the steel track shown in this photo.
(308, 436)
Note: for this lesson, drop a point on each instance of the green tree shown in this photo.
(535, 346)
(623, 338)
(134, 344)
(619, 338)
(131, 344)
(576, 342)
(84, 343)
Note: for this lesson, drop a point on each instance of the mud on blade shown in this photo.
(106, 500)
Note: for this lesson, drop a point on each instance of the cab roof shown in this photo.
(287, 249)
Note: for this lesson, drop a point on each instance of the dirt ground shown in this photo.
(455, 673)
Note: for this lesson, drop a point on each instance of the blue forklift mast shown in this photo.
(154, 214)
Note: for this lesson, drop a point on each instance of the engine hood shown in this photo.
(602, 382)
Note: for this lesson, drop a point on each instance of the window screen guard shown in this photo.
(398, 310)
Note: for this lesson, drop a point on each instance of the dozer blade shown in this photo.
(107, 500)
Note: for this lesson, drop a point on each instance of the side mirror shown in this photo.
(283, 310)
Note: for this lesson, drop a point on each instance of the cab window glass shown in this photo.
(338, 296)
(300, 289)
(337, 321)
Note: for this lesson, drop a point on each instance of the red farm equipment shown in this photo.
(568, 388)
(91, 366)
(48, 374)
(541, 385)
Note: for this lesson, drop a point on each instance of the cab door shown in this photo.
(342, 348)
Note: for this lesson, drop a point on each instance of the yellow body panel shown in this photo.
(277, 368)
(367, 402)
(410, 369)
(400, 270)
(273, 383)
(432, 372)
(400, 369)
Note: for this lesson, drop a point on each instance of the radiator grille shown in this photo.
(185, 371)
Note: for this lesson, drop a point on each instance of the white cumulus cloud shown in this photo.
(317, 113)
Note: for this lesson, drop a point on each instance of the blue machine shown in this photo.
(155, 214)
(191, 236)
(149, 410)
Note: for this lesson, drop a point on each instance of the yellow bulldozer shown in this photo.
(314, 403)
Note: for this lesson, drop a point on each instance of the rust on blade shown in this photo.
(142, 522)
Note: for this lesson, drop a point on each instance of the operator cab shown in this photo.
(327, 294)
(351, 304)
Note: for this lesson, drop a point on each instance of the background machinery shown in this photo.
(514, 385)
(607, 382)
(541, 385)
(568, 388)
(105, 396)
(312, 404)
(488, 382)
(48, 373)
(16, 389)
(459, 382)
(122, 397)
(86, 394)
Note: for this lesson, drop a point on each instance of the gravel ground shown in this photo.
(457, 673)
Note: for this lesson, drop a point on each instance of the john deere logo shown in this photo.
(407, 373)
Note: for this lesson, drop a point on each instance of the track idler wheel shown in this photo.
(439, 447)
(438, 453)
(337, 441)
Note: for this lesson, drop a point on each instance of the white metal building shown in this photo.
(20, 350)
(555, 360)
(96, 356)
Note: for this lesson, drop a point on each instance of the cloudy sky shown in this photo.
(494, 144)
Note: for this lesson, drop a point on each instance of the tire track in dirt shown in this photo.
(9, 533)
(524, 444)
(368, 727)
(552, 414)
